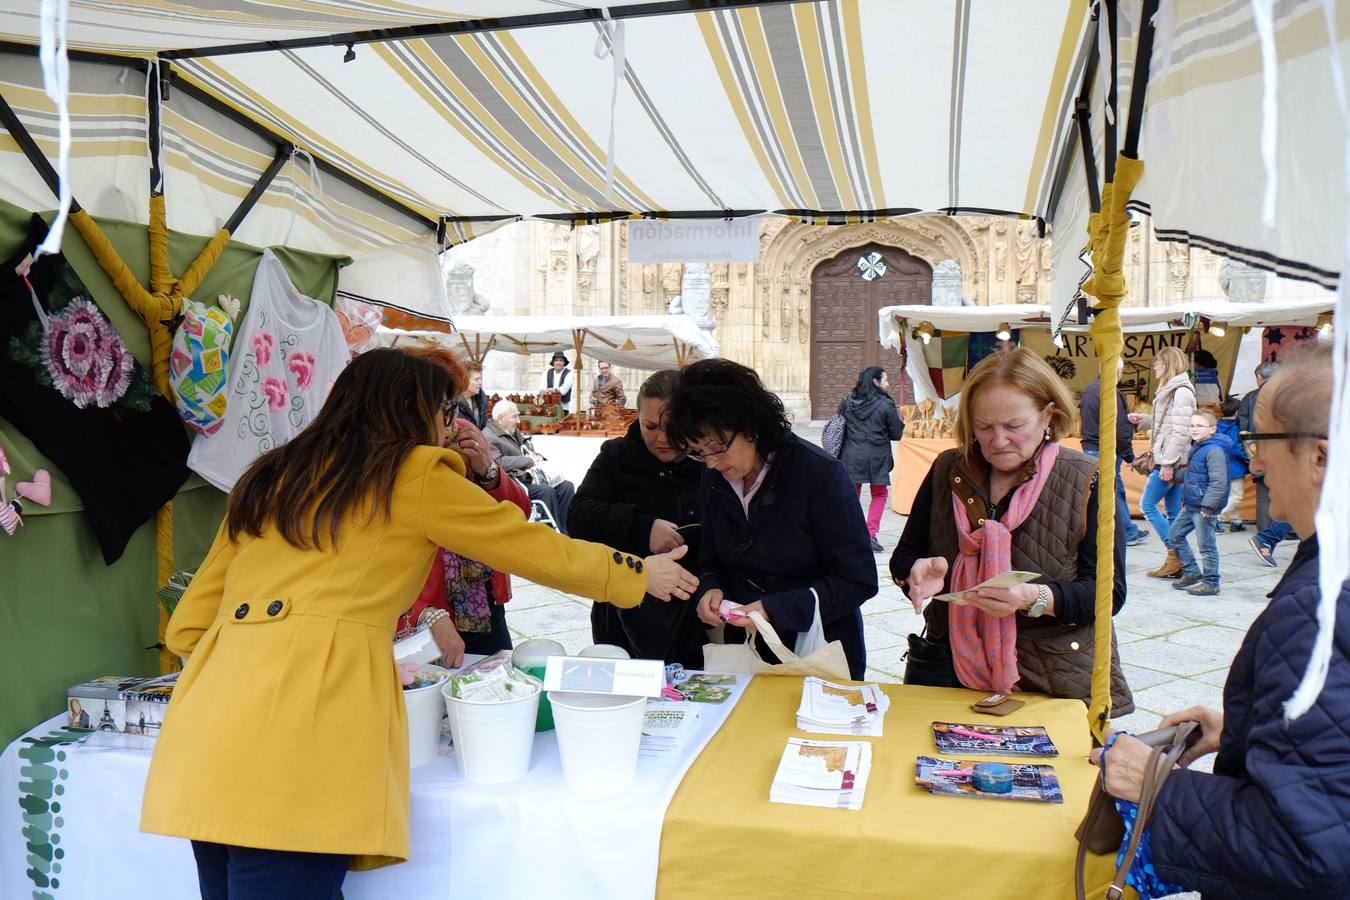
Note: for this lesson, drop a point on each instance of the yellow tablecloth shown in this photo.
(914, 457)
(723, 838)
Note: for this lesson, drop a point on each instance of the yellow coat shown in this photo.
(287, 729)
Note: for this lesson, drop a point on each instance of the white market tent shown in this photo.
(641, 342)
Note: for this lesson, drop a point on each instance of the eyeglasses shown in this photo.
(698, 456)
(1250, 439)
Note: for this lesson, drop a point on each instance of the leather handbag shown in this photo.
(1143, 463)
(1102, 829)
(929, 663)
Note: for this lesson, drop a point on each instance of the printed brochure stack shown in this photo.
(829, 708)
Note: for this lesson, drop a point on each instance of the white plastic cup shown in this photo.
(493, 741)
(598, 738)
(425, 711)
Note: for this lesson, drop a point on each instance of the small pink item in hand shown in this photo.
(729, 610)
(407, 673)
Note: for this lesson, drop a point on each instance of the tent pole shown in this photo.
(154, 101)
(578, 338)
(246, 205)
(1112, 17)
(30, 149)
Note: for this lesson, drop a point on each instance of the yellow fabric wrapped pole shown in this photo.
(1108, 231)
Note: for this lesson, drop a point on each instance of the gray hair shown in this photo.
(503, 408)
(1300, 397)
(1267, 370)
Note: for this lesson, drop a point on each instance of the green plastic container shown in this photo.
(544, 720)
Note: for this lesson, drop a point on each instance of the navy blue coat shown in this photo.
(1274, 818)
(1206, 479)
(805, 530)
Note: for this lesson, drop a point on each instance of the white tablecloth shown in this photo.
(533, 838)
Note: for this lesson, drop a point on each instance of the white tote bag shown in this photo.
(814, 655)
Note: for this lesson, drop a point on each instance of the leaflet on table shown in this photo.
(668, 728)
(117, 703)
(1006, 580)
(830, 708)
(594, 675)
(955, 778)
(993, 740)
(831, 774)
(706, 687)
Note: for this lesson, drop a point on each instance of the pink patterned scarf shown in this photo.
(984, 647)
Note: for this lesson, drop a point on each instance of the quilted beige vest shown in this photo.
(1052, 657)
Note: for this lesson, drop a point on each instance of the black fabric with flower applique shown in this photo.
(70, 384)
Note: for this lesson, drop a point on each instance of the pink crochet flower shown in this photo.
(302, 364)
(263, 344)
(85, 356)
(275, 389)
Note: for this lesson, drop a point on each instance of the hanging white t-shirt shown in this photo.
(285, 358)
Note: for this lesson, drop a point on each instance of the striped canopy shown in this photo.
(826, 110)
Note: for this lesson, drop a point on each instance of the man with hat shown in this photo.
(558, 377)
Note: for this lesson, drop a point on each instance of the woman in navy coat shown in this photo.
(781, 523)
(1271, 821)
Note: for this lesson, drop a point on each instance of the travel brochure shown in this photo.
(956, 778)
(993, 740)
(668, 728)
(707, 688)
(829, 708)
(1003, 580)
(830, 774)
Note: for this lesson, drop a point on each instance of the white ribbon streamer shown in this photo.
(1263, 15)
(1333, 512)
(1106, 62)
(315, 181)
(53, 17)
(151, 78)
(610, 43)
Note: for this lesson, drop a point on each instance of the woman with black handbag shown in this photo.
(872, 424)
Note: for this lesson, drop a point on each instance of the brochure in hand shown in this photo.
(1005, 580)
(831, 774)
(993, 740)
(829, 708)
(955, 778)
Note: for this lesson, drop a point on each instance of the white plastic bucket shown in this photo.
(425, 710)
(493, 741)
(598, 737)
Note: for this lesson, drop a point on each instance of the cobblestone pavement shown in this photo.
(1175, 648)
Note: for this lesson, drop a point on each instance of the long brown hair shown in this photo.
(382, 406)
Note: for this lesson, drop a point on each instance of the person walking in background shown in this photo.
(1237, 469)
(607, 389)
(1205, 492)
(557, 377)
(1173, 405)
(1207, 388)
(1089, 410)
(873, 423)
(1269, 532)
(472, 404)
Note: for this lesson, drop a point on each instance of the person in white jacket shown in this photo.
(558, 377)
(1173, 405)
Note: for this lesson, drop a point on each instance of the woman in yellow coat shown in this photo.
(283, 755)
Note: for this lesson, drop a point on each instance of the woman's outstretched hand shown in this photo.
(925, 580)
(666, 578)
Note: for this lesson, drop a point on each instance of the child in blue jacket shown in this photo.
(1204, 494)
(1237, 469)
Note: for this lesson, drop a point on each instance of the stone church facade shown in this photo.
(804, 315)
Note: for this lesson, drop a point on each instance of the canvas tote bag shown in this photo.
(814, 656)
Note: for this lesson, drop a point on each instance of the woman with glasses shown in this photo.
(1173, 405)
(284, 752)
(782, 529)
(1270, 820)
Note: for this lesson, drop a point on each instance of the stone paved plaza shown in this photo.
(1175, 648)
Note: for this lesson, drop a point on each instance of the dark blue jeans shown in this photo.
(1122, 508)
(1277, 532)
(1183, 524)
(226, 872)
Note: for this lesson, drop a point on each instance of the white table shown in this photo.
(531, 838)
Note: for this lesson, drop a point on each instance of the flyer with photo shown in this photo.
(955, 778)
(993, 740)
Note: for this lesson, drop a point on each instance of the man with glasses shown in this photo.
(607, 389)
(1265, 540)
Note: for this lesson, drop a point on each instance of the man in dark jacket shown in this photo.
(1089, 408)
(640, 493)
(1205, 493)
(1271, 821)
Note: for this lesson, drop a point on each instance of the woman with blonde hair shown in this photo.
(1173, 405)
(1009, 497)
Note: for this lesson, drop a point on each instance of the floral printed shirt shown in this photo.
(286, 356)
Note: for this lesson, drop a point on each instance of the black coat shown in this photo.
(623, 493)
(474, 409)
(1090, 412)
(873, 424)
(805, 531)
(1274, 818)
